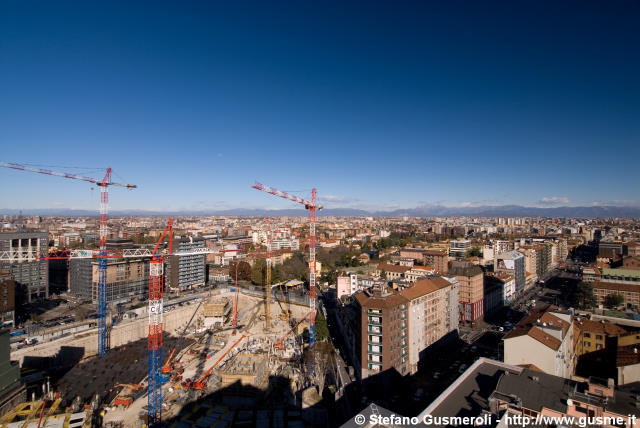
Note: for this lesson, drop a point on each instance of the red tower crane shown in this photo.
(312, 206)
(154, 355)
(103, 255)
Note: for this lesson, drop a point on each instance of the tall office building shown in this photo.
(30, 274)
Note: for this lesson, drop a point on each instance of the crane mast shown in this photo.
(154, 362)
(267, 302)
(312, 206)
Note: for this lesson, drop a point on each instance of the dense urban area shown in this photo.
(416, 317)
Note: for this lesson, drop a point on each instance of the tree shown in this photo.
(474, 252)
(322, 330)
(614, 300)
(258, 272)
(244, 271)
(584, 296)
(383, 275)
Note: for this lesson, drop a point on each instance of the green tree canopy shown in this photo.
(614, 300)
(584, 297)
(244, 270)
(322, 330)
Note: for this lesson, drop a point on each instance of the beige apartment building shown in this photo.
(471, 292)
(432, 314)
(391, 271)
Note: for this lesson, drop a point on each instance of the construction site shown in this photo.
(251, 362)
(237, 350)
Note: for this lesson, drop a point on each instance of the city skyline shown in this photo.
(380, 107)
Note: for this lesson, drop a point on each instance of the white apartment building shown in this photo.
(544, 338)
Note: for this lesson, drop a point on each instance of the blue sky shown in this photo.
(377, 104)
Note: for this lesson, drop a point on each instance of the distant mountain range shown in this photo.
(423, 211)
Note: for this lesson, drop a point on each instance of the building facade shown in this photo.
(7, 300)
(431, 305)
(187, 271)
(459, 248)
(471, 291)
(30, 274)
(512, 263)
(383, 328)
(545, 339)
(126, 279)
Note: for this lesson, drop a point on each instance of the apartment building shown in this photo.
(471, 291)
(498, 289)
(493, 391)
(596, 335)
(433, 313)
(391, 271)
(435, 258)
(459, 248)
(533, 259)
(126, 279)
(30, 274)
(512, 263)
(187, 271)
(545, 339)
(348, 285)
(631, 262)
(630, 293)
(418, 272)
(292, 244)
(382, 330)
(533, 394)
(631, 248)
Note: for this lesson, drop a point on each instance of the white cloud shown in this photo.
(554, 200)
(615, 203)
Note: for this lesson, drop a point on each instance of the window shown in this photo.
(598, 337)
(587, 335)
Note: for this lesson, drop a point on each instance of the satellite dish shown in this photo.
(569, 402)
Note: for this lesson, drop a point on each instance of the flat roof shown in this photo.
(469, 394)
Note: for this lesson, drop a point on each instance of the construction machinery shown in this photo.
(104, 233)
(168, 367)
(312, 206)
(202, 382)
(278, 344)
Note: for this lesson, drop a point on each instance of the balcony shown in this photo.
(375, 340)
(375, 350)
